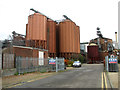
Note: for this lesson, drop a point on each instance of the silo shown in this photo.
(78, 39)
(93, 54)
(66, 38)
(51, 37)
(37, 31)
(57, 40)
(72, 37)
(27, 34)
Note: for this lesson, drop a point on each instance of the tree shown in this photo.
(80, 58)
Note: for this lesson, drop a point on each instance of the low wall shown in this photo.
(8, 72)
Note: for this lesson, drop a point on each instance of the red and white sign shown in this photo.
(111, 60)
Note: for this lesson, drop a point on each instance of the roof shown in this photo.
(103, 38)
(29, 48)
(93, 44)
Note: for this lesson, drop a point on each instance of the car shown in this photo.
(76, 64)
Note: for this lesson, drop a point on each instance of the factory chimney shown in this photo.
(116, 36)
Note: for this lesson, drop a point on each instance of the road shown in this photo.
(87, 76)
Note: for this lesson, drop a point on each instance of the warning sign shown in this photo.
(52, 61)
(112, 60)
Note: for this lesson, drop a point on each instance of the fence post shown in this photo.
(107, 64)
(56, 64)
(63, 64)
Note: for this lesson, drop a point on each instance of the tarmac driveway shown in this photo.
(87, 76)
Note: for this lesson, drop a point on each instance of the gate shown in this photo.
(60, 64)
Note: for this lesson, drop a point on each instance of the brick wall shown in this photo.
(23, 52)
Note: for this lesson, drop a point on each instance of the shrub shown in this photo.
(80, 58)
(43, 71)
(69, 63)
(16, 73)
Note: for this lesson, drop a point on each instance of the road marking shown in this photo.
(102, 81)
(29, 81)
(40, 78)
(105, 81)
(15, 85)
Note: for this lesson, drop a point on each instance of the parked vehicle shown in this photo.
(76, 64)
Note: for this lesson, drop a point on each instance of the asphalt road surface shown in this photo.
(87, 76)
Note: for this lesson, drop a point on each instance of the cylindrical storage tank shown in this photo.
(93, 54)
(51, 35)
(73, 37)
(37, 29)
(57, 40)
(78, 39)
(69, 37)
(27, 34)
(66, 36)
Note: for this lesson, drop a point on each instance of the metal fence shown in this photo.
(111, 67)
(30, 64)
(8, 61)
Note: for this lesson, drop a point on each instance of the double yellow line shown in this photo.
(104, 81)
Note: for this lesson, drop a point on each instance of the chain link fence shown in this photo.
(30, 64)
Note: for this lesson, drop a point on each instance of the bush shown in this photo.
(16, 73)
(43, 71)
(69, 63)
(80, 58)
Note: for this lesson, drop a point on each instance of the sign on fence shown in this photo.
(112, 60)
(111, 64)
(52, 61)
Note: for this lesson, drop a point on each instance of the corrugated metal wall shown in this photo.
(37, 30)
(69, 39)
(93, 54)
(78, 39)
(51, 34)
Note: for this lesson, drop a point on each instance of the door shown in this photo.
(41, 58)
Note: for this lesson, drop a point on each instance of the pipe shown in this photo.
(116, 36)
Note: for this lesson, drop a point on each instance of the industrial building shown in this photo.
(98, 48)
(44, 38)
(61, 39)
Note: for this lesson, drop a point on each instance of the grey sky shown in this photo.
(88, 14)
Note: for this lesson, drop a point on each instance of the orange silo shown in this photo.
(75, 39)
(67, 38)
(27, 35)
(78, 39)
(37, 31)
(51, 37)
